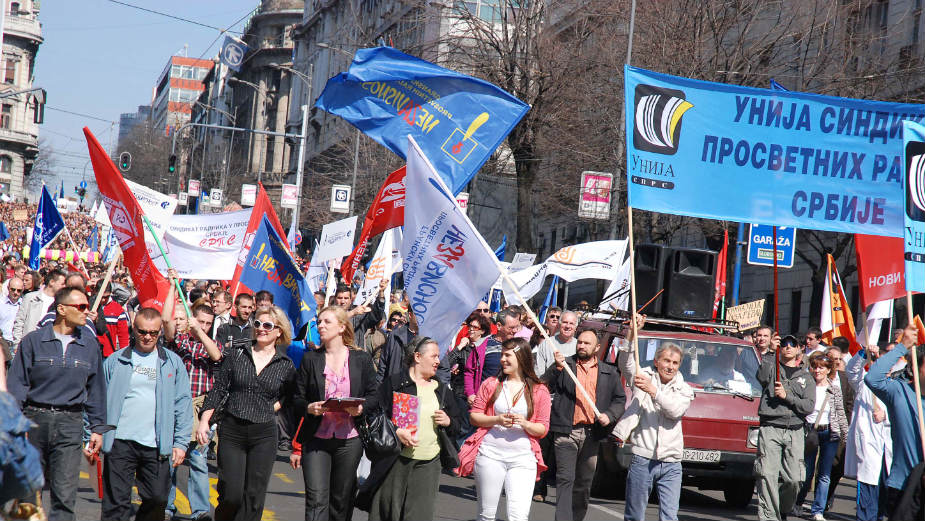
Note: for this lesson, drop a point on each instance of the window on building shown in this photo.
(175, 71)
(6, 164)
(14, 8)
(187, 73)
(6, 116)
(9, 74)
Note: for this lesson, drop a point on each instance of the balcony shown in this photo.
(17, 136)
(23, 26)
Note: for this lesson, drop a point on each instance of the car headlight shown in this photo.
(752, 440)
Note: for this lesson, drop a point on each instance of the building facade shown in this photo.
(178, 86)
(20, 114)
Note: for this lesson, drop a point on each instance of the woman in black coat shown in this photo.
(331, 447)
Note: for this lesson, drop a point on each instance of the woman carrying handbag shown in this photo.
(331, 446)
(404, 486)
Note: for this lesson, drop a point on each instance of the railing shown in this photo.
(22, 24)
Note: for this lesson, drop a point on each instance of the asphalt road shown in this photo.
(456, 502)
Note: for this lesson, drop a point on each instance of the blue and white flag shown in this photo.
(294, 237)
(93, 240)
(4, 232)
(914, 155)
(48, 224)
(269, 267)
(233, 53)
(448, 267)
(780, 158)
(552, 298)
(456, 119)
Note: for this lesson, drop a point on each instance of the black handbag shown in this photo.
(377, 432)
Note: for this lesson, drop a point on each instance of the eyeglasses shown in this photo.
(144, 332)
(16, 290)
(553, 317)
(269, 326)
(474, 326)
(79, 307)
(486, 310)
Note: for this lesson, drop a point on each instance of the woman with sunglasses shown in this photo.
(478, 330)
(826, 427)
(331, 447)
(511, 411)
(248, 388)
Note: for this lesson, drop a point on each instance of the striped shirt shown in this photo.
(198, 362)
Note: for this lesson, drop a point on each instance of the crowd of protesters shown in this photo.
(151, 389)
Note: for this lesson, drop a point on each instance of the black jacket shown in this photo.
(390, 359)
(309, 386)
(232, 334)
(609, 398)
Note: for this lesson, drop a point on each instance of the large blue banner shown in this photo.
(914, 229)
(269, 266)
(765, 156)
(457, 120)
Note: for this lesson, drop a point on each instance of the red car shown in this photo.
(721, 425)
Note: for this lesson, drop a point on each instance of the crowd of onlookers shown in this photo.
(78, 223)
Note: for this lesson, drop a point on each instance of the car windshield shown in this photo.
(713, 366)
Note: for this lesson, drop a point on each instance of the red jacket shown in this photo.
(117, 327)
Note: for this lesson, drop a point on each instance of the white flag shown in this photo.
(204, 246)
(381, 267)
(591, 260)
(448, 266)
(337, 239)
(617, 295)
(316, 271)
(158, 208)
(874, 317)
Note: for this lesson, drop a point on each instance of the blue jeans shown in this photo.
(868, 502)
(643, 474)
(825, 453)
(197, 487)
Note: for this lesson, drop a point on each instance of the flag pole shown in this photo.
(629, 224)
(112, 267)
(80, 261)
(167, 261)
(776, 304)
(915, 374)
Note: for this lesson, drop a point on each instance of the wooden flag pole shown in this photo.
(112, 267)
(542, 330)
(176, 282)
(629, 236)
(915, 374)
(80, 261)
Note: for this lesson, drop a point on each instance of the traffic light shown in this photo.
(82, 192)
(172, 164)
(125, 161)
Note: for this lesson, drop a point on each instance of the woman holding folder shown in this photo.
(331, 447)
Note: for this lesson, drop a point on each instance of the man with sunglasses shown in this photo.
(788, 396)
(57, 376)
(148, 400)
(9, 307)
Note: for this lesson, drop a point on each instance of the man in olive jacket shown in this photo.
(577, 432)
(788, 396)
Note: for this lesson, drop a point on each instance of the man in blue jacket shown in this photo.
(898, 394)
(149, 403)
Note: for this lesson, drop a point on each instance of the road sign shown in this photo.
(83, 184)
(216, 197)
(182, 198)
(340, 198)
(248, 195)
(594, 200)
(193, 188)
(761, 245)
(289, 196)
(233, 52)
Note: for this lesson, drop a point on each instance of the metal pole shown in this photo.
(300, 169)
(353, 184)
(737, 271)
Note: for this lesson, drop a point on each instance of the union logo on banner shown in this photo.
(565, 255)
(658, 114)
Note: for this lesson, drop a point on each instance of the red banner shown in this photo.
(719, 289)
(126, 217)
(262, 206)
(386, 212)
(881, 271)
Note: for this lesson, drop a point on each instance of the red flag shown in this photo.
(921, 327)
(386, 212)
(881, 271)
(126, 217)
(262, 206)
(719, 289)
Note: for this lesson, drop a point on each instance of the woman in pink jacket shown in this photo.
(512, 414)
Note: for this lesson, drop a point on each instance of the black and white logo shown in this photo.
(915, 181)
(657, 119)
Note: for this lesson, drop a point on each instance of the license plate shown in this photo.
(701, 456)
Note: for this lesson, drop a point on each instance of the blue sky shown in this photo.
(102, 59)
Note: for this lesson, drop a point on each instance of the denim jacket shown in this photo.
(173, 408)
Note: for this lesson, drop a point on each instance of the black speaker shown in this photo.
(650, 276)
(689, 280)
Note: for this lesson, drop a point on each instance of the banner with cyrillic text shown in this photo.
(771, 157)
(204, 246)
(914, 203)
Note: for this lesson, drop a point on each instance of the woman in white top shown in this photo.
(512, 413)
(826, 426)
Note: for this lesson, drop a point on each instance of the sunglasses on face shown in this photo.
(78, 307)
(269, 326)
(145, 332)
(553, 317)
(15, 290)
(475, 327)
(484, 311)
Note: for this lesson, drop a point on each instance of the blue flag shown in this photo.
(457, 120)
(4, 233)
(914, 155)
(552, 296)
(233, 52)
(269, 267)
(48, 224)
(501, 250)
(61, 194)
(93, 240)
(774, 157)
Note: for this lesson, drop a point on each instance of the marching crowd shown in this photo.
(152, 389)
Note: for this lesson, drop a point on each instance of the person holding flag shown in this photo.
(48, 225)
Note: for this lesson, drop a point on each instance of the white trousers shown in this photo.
(516, 478)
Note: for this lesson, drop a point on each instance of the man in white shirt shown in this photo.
(564, 341)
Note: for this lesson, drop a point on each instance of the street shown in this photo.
(457, 501)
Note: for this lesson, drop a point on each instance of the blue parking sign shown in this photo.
(761, 245)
